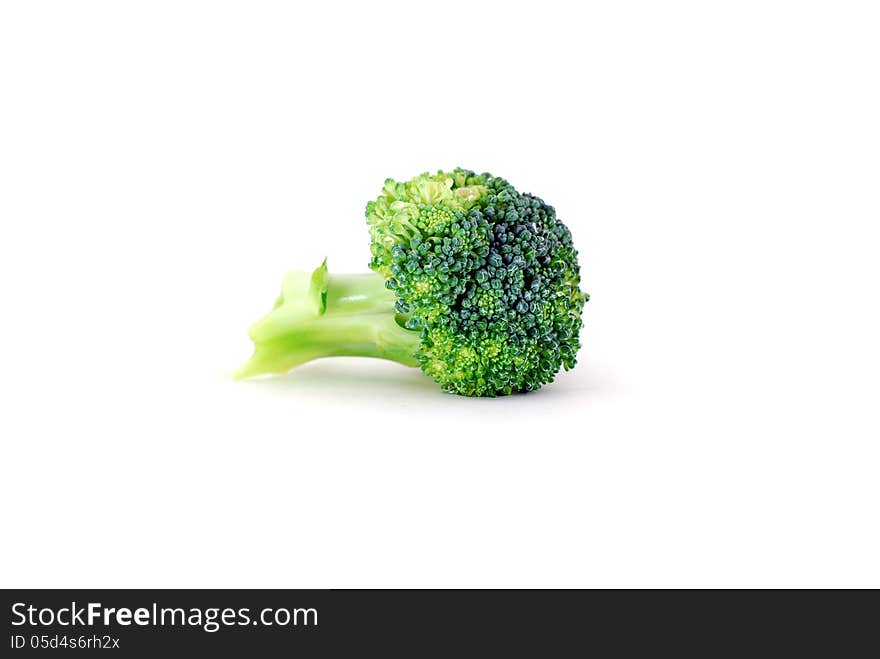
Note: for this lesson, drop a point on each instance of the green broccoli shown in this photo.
(475, 283)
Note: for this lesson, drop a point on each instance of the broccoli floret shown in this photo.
(475, 283)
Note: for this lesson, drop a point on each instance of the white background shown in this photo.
(163, 163)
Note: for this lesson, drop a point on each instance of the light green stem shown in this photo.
(337, 316)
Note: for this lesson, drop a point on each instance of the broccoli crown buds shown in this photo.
(486, 274)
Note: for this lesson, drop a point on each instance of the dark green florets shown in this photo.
(488, 275)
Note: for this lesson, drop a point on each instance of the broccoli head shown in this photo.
(476, 283)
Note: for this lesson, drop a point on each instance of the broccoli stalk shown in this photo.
(323, 315)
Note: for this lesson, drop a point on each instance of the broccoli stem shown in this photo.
(348, 316)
